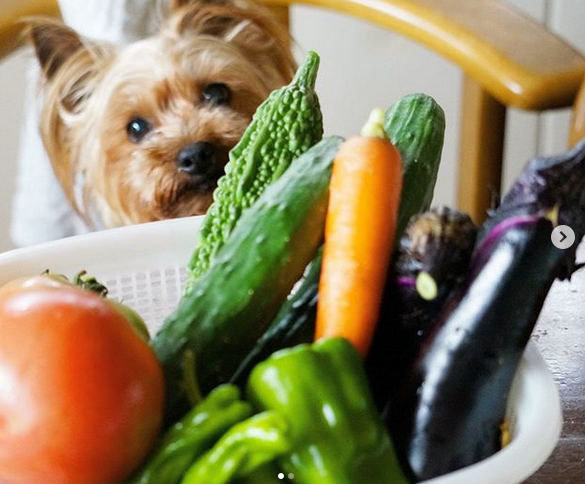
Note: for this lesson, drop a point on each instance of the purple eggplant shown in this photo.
(431, 259)
(448, 412)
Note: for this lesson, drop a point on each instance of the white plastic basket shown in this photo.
(143, 266)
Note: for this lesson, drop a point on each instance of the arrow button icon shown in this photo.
(562, 237)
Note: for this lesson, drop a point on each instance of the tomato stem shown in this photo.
(90, 283)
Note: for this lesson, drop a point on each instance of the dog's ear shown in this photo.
(70, 64)
(53, 43)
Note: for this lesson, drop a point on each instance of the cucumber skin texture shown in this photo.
(415, 124)
(231, 305)
(284, 126)
(294, 324)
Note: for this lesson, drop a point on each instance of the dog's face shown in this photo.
(145, 130)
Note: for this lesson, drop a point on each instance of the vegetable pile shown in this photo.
(334, 330)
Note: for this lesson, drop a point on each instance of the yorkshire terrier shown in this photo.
(142, 132)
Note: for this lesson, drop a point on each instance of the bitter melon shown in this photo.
(286, 125)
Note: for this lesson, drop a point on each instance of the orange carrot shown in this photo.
(359, 235)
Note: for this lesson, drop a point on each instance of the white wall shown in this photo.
(379, 67)
(365, 66)
(12, 73)
(362, 66)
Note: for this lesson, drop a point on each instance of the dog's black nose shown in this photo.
(196, 158)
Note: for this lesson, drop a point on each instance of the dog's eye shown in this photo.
(137, 129)
(216, 94)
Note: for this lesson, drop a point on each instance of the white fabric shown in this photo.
(118, 21)
(40, 210)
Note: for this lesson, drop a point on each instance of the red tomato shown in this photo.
(81, 394)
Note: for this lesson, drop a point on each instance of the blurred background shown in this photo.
(362, 66)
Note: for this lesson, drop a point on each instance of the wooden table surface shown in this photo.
(560, 337)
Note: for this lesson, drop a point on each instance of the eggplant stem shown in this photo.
(426, 286)
(553, 215)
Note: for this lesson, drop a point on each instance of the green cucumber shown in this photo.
(415, 124)
(230, 306)
(294, 324)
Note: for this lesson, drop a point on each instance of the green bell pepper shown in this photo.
(267, 474)
(338, 436)
(245, 448)
(193, 435)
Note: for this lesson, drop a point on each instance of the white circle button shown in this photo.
(563, 237)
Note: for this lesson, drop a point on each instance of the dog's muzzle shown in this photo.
(197, 158)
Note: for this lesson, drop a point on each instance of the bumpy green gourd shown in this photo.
(286, 125)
